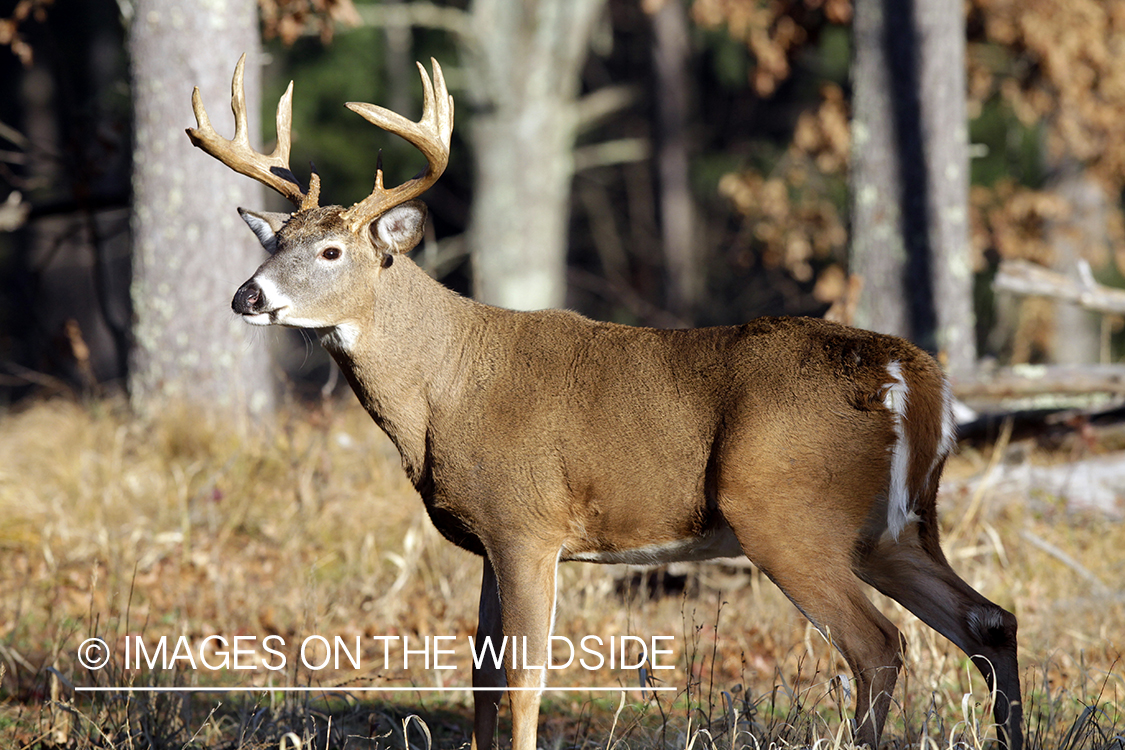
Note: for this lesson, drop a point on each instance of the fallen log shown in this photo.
(1050, 427)
(1031, 279)
(1035, 381)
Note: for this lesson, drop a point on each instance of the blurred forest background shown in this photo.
(690, 163)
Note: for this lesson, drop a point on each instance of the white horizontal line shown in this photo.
(345, 689)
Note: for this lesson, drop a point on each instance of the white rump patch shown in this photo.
(899, 510)
(948, 424)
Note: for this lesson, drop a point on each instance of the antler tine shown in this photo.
(272, 170)
(430, 135)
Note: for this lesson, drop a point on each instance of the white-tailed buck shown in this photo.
(536, 438)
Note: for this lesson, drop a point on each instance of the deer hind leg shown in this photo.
(915, 573)
(835, 603)
(811, 563)
(526, 585)
(486, 704)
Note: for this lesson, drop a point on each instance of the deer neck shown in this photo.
(405, 356)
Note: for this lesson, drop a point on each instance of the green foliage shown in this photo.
(730, 60)
(1004, 148)
(834, 54)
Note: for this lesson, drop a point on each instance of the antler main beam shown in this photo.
(430, 135)
(272, 170)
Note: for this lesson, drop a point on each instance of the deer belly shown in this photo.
(719, 542)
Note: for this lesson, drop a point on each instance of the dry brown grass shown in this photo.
(111, 527)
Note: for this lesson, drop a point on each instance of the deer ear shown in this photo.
(399, 229)
(265, 225)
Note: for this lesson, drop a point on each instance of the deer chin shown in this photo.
(258, 319)
(281, 316)
(276, 316)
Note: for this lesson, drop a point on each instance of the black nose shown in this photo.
(248, 299)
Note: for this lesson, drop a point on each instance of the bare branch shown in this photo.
(605, 102)
(13, 212)
(607, 153)
(8, 133)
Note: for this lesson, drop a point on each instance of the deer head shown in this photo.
(326, 260)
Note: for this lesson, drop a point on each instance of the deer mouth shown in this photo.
(281, 316)
(260, 319)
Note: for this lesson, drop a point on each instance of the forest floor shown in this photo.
(235, 551)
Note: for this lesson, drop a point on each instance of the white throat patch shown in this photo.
(899, 510)
(340, 337)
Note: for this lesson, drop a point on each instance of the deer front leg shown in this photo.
(486, 704)
(526, 582)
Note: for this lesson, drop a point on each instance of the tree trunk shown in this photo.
(524, 62)
(1080, 236)
(910, 174)
(878, 250)
(190, 248)
(671, 59)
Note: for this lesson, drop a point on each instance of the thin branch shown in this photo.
(1037, 541)
(608, 153)
(603, 103)
(13, 157)
(13, 212)
(8, 133)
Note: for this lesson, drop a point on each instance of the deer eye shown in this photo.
(331, 253)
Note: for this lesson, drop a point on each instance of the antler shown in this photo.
(272, 170)
(430, 135)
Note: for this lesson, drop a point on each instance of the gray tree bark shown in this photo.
(524, 59)
(1081, 235)
(910, 178)
(191, 250)
(671, 59)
